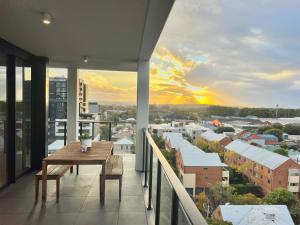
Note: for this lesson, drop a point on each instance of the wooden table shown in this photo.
(72, 155)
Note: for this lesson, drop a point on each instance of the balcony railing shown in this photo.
(98, 130)
(166, 194)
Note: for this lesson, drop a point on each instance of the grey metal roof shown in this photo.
(256, 214)
(212, 136)
(259, 155)
(194, 156)
(173, 138)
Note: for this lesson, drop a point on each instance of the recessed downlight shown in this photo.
(47, 18)
(85, 59)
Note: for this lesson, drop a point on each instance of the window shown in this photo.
(294, 184)
(269, 171)
(206, 178)
(205, 168)
(269, 181)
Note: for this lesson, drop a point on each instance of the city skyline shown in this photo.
(212, 52)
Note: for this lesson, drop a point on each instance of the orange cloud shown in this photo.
(168, 83)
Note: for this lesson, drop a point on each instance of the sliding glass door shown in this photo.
(23, 118)
(3, 122)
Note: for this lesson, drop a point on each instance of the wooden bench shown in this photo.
(114, 171)
(54, 172)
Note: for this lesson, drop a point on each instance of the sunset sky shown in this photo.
(225, 52)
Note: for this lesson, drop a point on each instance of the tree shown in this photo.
(246, 199)
(159, 142)
(282, 151)
(202, 204)
(220, 194)
(276, 132)
(277, 126)
(202, 144)
(211, 221)
(220, 130)
(282, 196)
(292, 129)
(263, 129)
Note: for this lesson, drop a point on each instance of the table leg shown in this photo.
(102, 185)
(44, 181)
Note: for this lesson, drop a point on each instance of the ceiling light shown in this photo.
(47, 18)
(85, 59)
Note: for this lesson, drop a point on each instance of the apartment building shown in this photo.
(198, 169)
(212, 137)
(267, 169)
(57, 98)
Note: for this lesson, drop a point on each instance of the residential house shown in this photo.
(254, 214)
(267, 169)
(124, 144)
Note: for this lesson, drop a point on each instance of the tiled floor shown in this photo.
(79, 200)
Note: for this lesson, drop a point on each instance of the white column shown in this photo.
(72, 105)
(142, 113)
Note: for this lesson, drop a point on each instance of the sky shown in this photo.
(221, 52)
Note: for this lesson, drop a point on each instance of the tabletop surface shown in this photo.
(100, 151)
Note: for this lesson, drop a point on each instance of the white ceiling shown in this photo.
(114, 34)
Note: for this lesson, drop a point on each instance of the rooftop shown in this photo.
(173, 138)
(194, 156)
(256, 154)
(256, 214)
(212, 136)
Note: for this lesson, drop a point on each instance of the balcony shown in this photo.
(155, 196)
(129, 31)
(79, 202)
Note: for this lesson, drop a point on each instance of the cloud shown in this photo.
(251, 49)
(279, 76)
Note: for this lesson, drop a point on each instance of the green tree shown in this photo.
(104, 133)
(282, 196)
(277, 126)
(292, 129)
(220, 194)
(246, 199)
(276, 132)
(159, 142)
(282, 151)
(263, 129)
(220, 130)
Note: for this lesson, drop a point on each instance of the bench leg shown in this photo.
(77, 169)
(120, 188)
(57, 188)
(37, 187)
(71, 169)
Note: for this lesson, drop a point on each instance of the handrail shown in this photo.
(189, 206)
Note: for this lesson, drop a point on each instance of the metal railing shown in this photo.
(93, 122)
(172, 204)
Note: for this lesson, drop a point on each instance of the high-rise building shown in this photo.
(94, 108)
(57, 98)
(82, 95)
